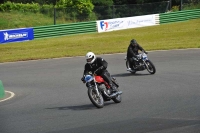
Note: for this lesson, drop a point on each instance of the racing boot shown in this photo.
(115, 92)
(113, 88)
(129, 69)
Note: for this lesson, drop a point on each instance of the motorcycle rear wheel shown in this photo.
(97, 101)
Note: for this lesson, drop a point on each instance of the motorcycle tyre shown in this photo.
(94, 102)
(127, 66)
(153, 67)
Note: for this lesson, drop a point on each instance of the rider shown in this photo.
(97, 65)
(132, 54)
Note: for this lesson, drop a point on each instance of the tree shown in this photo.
(102, 2)
(30, 1)
(2, 1)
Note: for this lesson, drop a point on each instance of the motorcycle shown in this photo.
(100, 91)
(142, 63)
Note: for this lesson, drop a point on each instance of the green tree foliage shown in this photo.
(81, 6)
(91, 9)
(31, 1)
(76, 8)
(103, 8)
(123, 2)
(10, 6)
(102, 2)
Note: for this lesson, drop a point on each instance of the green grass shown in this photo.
(17, 19)
(179, 35)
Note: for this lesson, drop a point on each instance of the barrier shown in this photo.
(126, 23)
(179, 16)
(92, 26)
(2, 92)
(16, 35)
(64, 29)
(157, 19)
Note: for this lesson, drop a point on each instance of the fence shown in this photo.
(179, 16)
(91, 27)
(120, 11)
(64, 29)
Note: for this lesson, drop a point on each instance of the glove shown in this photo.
(83, 79)
(145, 52)
(135, 58)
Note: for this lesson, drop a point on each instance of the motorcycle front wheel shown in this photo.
(95, 99)
(150, 67)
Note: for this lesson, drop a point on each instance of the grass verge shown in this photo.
(17, 19)
(179, 35)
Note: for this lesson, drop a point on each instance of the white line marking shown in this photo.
(11, 96)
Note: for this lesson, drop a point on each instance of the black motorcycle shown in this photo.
(142, 63)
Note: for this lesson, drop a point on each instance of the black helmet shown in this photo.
(133, 41)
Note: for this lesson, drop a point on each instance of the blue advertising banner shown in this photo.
(16, 35)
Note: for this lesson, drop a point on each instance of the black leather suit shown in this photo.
(99, 65)
(132, 51)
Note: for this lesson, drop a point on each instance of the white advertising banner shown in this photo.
(125, 23)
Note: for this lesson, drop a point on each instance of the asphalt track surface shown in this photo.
(50, 97)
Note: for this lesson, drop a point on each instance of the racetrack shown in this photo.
(50, 97)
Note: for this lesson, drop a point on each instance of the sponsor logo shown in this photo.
(102, 24)
(15, 35)
(110, 25)
(143, 20)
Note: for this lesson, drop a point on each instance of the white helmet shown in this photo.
(90, 57)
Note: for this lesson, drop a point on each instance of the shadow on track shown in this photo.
(79, 107)
(129, 74)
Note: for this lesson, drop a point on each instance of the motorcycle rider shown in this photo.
(98, 66)
(132, 54)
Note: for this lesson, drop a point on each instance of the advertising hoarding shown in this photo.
(16, 35)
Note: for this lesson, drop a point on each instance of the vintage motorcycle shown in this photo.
(142, 63)
(99, 90)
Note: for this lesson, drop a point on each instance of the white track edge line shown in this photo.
(12, 95)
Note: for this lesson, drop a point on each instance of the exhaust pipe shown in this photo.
(115, 94)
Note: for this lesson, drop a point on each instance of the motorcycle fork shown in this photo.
(96, 89)
(145, 63)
